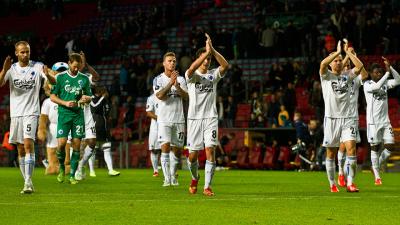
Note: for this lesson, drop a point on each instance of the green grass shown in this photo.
(242, 197)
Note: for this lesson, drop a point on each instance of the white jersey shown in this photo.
(152, 106)
(25, 85)
(336, 93)
(87, 113)
(202, 89)
(50, 109)
(376, 97)
(172, 106)
(354, 92)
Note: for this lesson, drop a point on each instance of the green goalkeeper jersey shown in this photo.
(71, 88)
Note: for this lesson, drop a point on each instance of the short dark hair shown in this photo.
(200, 51)
(374, 66)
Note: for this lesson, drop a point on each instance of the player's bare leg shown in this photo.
(52, 160)
(341, 159)
(193, 165)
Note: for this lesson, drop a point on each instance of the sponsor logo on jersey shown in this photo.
(205, 86)
(24, 84)
(381, 94)
(72, 89)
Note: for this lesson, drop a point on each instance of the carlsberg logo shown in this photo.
(71, 89)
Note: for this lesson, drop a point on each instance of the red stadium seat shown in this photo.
(242, 157)
(255, 157)
(269, 161)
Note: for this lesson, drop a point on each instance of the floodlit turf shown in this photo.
(242, 197)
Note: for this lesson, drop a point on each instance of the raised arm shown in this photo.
(6, 67)
(323, 68)
(357, 63)
(376, 86)
(95, 75)
(50, 74)
(197, 63)
(223, 64)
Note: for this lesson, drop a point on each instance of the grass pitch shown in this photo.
(242, 197)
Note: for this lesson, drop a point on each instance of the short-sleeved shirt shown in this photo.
(152, 106)
(71, 88)
(202, 90)
(172, 106)
(49, 108)
(25, 83)
(336, 92)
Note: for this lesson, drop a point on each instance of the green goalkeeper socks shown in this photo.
(74, 162)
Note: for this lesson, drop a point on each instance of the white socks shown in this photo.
(154, 160)
(165, 166)
(108, 158)
(351, 167)
(174, 161)
(375, 163)
(341, 159)
(91, 161)
(193, 168)
(22, 166)
(29, 166)
(383, 157)
(86, 155)
(330, 170)
(209, 173)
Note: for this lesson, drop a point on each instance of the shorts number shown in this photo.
(78, 129)
(353, 130)
(214, 134)
(391, 130)
(93, 129)
(180, 135)
(28, 128)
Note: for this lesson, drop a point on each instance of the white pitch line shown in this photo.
(186, 200)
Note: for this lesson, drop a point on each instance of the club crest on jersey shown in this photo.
(210, 77)
(340, 86)
(60, 132)
(33, 73)
(157, 87)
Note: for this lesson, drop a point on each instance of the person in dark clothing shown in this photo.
(303, 139)
(100, 108)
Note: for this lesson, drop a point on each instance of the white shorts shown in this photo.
(51, 139)
(23, 127)
(153, 140)
(338, 130)
(173, 133)
(358, 138)
(90, 127)
(378, 133)
(202, 133)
